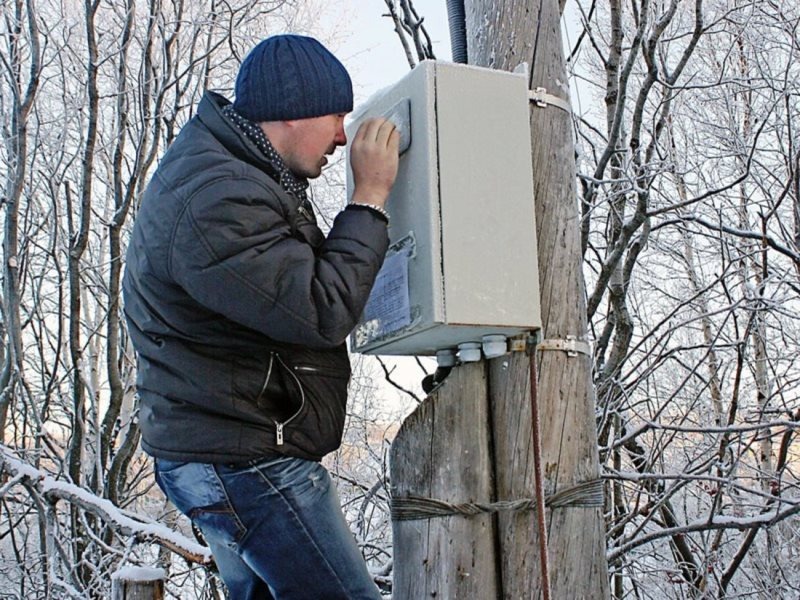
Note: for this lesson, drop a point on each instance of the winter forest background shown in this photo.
(686, 128)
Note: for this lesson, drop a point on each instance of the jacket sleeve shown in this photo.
(236, 255)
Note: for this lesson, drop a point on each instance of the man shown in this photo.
(238, 307)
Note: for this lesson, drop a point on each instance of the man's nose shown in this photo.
(341, 136)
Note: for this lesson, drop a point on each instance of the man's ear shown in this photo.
(278, 133)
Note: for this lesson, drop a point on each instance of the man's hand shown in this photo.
(374, 157)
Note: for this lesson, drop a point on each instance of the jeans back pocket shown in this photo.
(197, 491)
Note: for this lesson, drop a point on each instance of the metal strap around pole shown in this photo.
(539, 96)
(571, 345)
(542, 99)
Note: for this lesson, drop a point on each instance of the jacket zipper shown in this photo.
(279, 426)
(307, 369)
(269, 374)
(331, 372)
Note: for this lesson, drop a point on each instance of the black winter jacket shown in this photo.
(238, 306)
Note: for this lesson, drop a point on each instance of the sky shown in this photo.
(374, 55)
(373, 52)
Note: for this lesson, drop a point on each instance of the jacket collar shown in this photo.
(209, 111)
(288, 180)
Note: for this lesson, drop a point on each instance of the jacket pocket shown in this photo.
(322, 378)
(262, 381)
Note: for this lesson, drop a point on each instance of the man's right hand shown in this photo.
(374, 158)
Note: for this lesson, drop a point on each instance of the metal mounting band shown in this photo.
(571, 345)
(542, 99)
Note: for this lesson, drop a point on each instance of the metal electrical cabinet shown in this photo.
(462, 261)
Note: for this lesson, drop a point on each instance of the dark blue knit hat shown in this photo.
(290, 77)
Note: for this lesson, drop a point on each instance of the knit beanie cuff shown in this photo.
(288, 77)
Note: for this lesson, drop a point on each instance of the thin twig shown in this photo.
(388, 373)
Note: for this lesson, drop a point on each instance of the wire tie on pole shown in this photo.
(584, 494)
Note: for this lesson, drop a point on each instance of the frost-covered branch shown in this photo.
(717, 522)
(124, 523)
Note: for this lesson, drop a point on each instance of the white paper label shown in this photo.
(388, 308)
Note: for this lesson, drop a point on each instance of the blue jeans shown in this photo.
(276, 529)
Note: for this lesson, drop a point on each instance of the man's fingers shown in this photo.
(377, 130)
(374, 159)
(394, 140)
(368, 131)
(385, 131)
(359, 134)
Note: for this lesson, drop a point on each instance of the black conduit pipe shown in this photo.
(456, 18)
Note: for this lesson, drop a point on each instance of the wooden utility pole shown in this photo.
(488, 405)
(501, 35)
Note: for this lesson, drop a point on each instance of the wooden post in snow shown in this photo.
(137, 583)
(501, 34)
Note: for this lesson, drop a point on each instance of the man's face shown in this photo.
(311, 141)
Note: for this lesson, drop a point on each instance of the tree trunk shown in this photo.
(17, 153)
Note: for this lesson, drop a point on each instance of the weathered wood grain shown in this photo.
(443, 451)
(426, 457)
(131, 589)
(509, 386)
(502, 34)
